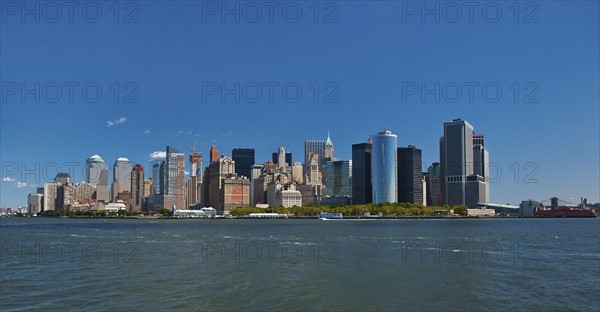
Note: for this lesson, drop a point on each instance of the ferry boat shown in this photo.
(329, 215)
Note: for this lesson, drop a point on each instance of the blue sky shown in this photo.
(165, 62)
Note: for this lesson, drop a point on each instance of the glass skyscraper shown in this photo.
(383, 166)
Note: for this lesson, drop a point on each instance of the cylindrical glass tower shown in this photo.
(383, 167)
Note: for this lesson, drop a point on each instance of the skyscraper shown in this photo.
(461, 185)
(244, 160)
(174, 177)
(137, 187)
(194, 183)
(328, 150)
(215, 173)
(314, 147)
(383, 166)
(287, 158)
(214, 153)
(410, 176)
(337, 178)
(361, 173)
(121, 177)
(433, 185)
(97, 174)
(156, 179)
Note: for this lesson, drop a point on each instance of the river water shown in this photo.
(163, 265)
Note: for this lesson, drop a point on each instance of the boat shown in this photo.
(329, 215)
(565, 212)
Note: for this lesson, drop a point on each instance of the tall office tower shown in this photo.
(410, 176)
(433, 180)
(297, 172)
(244, 160)
(328, 150)
(97, 174)
(121, 177)
(461, 185)
(456, 160)
(383, 167)
(314, 147)
(281, 158)
(337, 178)
(256, 171)
(174, 176)
(137, 188)
(275, 159)
(361, 174)
(214, 153)
(34, 203)
(62, 178)
(194, 184)
(481, 162)
(50, 195)
(156, 179)
(148, 187)
(311, 171)
(162, 174)
(215, 173)
(65, 196)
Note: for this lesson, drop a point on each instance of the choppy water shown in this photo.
(149, 265)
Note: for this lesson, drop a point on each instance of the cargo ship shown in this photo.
(566, 212)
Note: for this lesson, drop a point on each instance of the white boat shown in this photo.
(329, 216)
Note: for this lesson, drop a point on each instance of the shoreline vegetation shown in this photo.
(366, 211)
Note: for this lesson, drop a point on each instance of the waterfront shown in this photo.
(437, 264)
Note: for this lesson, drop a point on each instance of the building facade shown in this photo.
(137, 187)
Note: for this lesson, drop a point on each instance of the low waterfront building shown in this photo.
(481, 212)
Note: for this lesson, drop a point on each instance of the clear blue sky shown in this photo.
(374, 48)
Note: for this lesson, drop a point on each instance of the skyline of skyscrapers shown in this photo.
(378, 172)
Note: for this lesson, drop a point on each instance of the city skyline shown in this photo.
(543, 131)
(158, 156)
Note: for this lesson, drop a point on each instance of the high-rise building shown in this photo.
(194, 184)
(215, 173)
(433, 180)
(410, 176)
(361, 174)
(84, 192)
(148, 187)
(50, 195)
(97, 174)
(312, 173)
(137, 188)
(214, 153)
(156, 179)
(463, 165)
(328, 150)
(337, 178)
(121, 177)
(287, 159)
(34, 203)
(297, 173)
(383, 167)
(62, 178)
(244, 160)
(235, 192)
(174, 176)
(314, 147)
